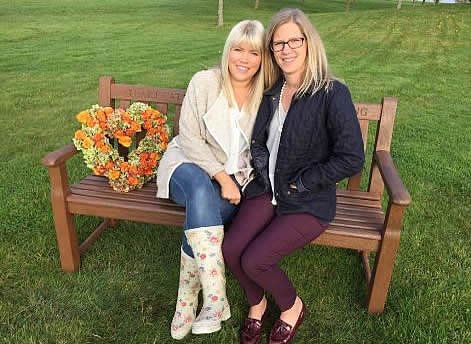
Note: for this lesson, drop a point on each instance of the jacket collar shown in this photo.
(276, 88)
(218, 122)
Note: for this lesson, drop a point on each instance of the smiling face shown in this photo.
(291, 61)
(244, 62)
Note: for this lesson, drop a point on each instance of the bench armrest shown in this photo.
(396, 189)
(59, 156)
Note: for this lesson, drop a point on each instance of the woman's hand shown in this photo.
(229, 189)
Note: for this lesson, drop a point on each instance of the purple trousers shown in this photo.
(257, 240)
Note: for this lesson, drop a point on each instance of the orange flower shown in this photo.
(153, 156)
(163, 145)
(114, 174)
(133, 170)
(164, 136)
(124, 166)
(152, 131)
(109, 164)
(91, 122)
(99, 170)
(136, 126)
(108, 110)
(126, 117)
(102, 125)
(130, 132)
(145, 115)
(83, 116)
(147, 124)
(88, 142)
(144, 156)
(119, 133)
(133, 180)
(125, 141)
(152, 163)
(148, 172)
(101, 115)
(98, 137)
(80, 135)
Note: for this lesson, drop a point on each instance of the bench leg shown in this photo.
(64, 221)
(67, 240)
(364, 255)
(385, 259)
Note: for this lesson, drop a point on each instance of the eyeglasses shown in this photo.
(293, 43)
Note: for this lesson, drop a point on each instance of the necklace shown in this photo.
(280, 108)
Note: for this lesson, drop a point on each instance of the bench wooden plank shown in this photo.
(124, 210)
(335, 240)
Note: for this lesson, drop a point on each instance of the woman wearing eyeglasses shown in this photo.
(305, 139)
(204, 169)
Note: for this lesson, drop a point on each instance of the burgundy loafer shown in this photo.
(252, 331)
(283, 333)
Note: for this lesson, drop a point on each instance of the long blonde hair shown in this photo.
(251, 32)
(317, 74)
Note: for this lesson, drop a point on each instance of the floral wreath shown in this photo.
(101, 125)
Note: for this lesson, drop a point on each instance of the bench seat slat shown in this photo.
(125, 210)
(356, 225)
(358, 195)
(110, 193)
(360, 219)
(352, 209)
(102, 182)
(358, 202)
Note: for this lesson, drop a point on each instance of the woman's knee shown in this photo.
(188, 176)
(251, 263)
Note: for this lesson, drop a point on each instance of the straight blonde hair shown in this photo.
(317, 74)
(251, 32)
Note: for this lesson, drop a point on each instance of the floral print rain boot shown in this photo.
(187, 299)
(206, 244)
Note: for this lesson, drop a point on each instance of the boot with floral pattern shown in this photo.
(187, 299)
(206, 244)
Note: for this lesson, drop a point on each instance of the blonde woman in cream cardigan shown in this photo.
(205, 168)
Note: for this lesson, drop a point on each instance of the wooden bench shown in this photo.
(360, 223)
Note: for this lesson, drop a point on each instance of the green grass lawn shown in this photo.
(51, 55)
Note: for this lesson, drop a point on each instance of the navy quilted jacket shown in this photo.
(320, 145)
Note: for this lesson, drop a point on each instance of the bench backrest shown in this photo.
(160, 98)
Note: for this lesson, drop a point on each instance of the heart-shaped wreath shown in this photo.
(102, 125)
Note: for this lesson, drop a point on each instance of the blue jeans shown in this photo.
(192, 187)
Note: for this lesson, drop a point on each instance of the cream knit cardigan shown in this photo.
(205, 132)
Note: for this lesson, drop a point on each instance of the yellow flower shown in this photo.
(114, 174)
(83, 116)
(125, 141)
(101, 115)
(88, 142)
(80, 135)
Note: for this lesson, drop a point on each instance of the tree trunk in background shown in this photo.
(399, 4)
(257, 3)
(348, 5)
(221, 13)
